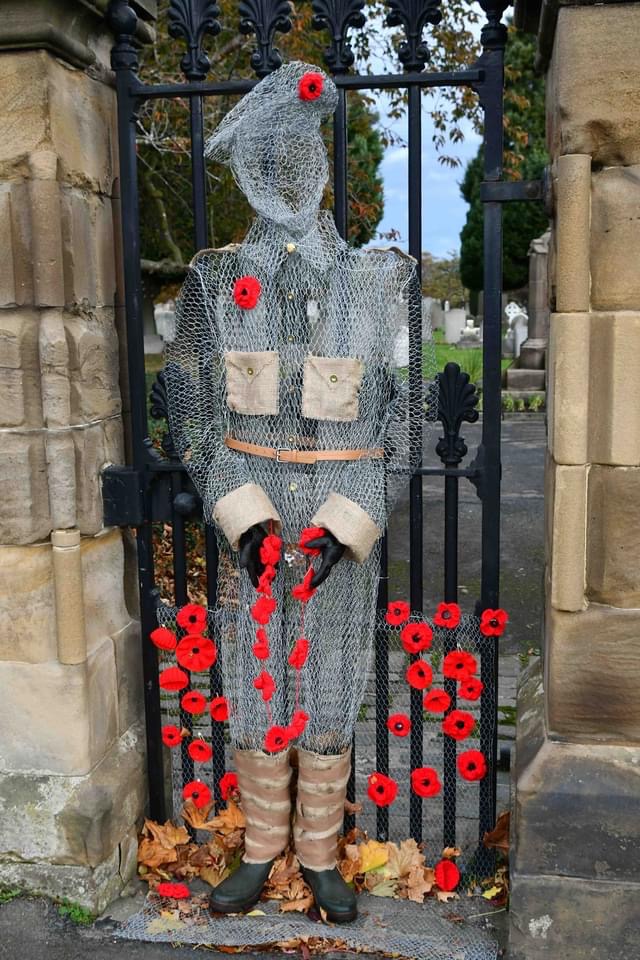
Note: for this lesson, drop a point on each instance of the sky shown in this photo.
(443, 209)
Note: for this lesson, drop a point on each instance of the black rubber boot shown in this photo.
(241, 890)
(332, 894)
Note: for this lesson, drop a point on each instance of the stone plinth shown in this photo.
(72, 779)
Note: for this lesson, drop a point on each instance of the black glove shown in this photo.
(331, 550)
(249, 552)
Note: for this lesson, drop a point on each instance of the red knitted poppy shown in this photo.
(192, 617)
(472, 765)
(311, 533)
(199, 751)
(262, 609)
(310, 86)
(304, 591)
(176, 891)
(419, 675)
(246, 292)
(425, 782)
(381, 789)
(261, 646)
(416, 637)
(436, 700)
(196, 653)
(173, 678)
(447, 615)
(447, 875)
(270, 550)
(459, 665)
(198, 792)
(397, 612)
(458, 724)
(470, 689)
(298, 655)
(265, 683)
(493, 622)
(163, 639)
(193, 702)
(298, 723)
(171, 736)
(399, 724)
(228, 785)
(219, 709)
(276, 739)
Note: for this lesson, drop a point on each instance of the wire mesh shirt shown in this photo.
(286, 342)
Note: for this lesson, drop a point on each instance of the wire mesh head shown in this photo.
(271, 140)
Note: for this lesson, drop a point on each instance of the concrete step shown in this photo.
(518, 379)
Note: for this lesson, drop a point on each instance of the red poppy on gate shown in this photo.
(298, 655)
(176, 891)
(270, 550)
(304, 591)
(436, 700)
(447, 875)
(397, 612)
(198, 792)
(493, 622)
(458, 724)
(163, 638)
(425, 782)
(262, 609)
(199, 751)
(276, 739)
(192, 617)
(472, 765)
(447, 615)
(310, 86)
(298, 723)
(261, 646)
(193, 702)
(173, 678)
(196, 653)
(459, 665)
(419, 675)
(265, 683)
(228, 785)
(399, 724)
(219, 709)
(416, 637)
(246, 292)
(311, 533)
(381, 789)
(470, 689)
(171, 736)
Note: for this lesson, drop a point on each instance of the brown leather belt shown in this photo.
(288, 455)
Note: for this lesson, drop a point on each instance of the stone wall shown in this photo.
(72, 785)
(576, 873)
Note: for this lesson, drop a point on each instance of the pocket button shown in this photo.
(333, 378)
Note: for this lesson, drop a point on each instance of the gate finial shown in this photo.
(264, 18)
(192, 20)
(337, 16)
(413, 15)
(124, 22)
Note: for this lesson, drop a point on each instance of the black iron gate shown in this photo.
(155, 487)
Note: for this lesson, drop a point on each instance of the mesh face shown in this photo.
(312, 364)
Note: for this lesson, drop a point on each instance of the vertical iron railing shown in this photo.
(152, 490)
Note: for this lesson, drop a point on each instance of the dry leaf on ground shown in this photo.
(498, 838)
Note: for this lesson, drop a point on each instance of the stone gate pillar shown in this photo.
(72, 784)
(576, 830)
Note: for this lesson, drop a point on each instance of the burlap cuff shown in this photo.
(350, 524)
(241, 509)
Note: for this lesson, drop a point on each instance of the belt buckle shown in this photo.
(280, 450)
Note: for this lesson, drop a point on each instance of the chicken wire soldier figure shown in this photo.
(286, 411)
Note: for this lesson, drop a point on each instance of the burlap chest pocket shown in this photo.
(252, 381)
(331, 388)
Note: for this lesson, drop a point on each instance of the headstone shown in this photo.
(454, 324)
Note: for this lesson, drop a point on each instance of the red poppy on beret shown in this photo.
(228, 785)
(276, 739)
(173, 678)
(470, 688)
(304, 591)
(459, 665)
(311, 533)
(196, 653)
(493, 622)
(298, 723)
(447, 875)
(436, 700)
(447, 615)
(425, 782)
(310, 86)
(381, 789)
(219, 709)
(397, 612)
(416, 637)
(399, 724)
(199, 751)
(192, 617)
(419, 675)
(246, 292)
(171, 736)
(193, 702)
(458, 724)
(176, 891)
(265, 683)
(164, 639)
(298, 655)
(261, 646)
(472, 765)
(271, 550)
(262, 609)
(198, 792)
